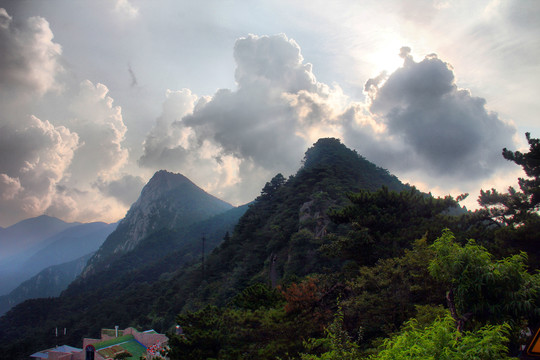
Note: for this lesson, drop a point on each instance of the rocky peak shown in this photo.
(168, 200)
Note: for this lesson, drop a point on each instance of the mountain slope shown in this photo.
(168, 201)
(18, 242)
(69, 244)
(276, 235)
(64, 246)
(28, 233)
(49, 282)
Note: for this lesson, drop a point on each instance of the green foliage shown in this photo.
(382, 296)
(366, 254)
(530, 162)
(517, 207)
(485, 289)
(249, 328)
(204, 335)
(441, 341)
(257, 296)
(385, 222)
(336, 345)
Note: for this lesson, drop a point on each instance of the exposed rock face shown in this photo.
(313, 214)
(167, 201)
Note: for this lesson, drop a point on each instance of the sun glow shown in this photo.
(386, 59)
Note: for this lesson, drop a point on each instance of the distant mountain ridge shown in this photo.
(49, 282)
(72, 241)
(19, 241)
(167, 201)
(27, 233)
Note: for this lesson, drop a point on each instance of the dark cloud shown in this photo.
(443, 127)
(416, 121)
(126, 189)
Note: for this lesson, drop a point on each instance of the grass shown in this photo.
(106, 343)
(109, 348)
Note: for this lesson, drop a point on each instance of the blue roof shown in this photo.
(66, 348)
(44, 354)
(40, 354)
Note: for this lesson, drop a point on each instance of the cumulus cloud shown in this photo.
(444, 130)
(166, 145)
(242, 137)
(35, 156)
(272, 61)
(101, 128)
(416, 121)
(29, 59)
(61, 151)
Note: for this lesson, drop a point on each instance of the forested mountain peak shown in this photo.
(330, 158)
(278, 236)
(326, 151)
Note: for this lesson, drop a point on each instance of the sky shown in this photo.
(98, 95)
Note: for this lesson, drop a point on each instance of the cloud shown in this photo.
(58, 138)
(166, 145)
(437, 127)
(125, 189)
(101, 129)
(272, 61)
(29, 60)
(242, 137)
(35, 156)
(125, 8)
(416, 122)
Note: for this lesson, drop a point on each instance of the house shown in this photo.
(113, 342)
(64, 352)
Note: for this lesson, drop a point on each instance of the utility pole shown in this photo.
(203, 240)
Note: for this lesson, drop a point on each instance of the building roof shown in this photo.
(109, 348)
(40, 355)
(44, 354)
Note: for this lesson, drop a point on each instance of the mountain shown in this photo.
(28, 233)
(49, 282)
(277, 237)
(20, 241)
(156, 271)
(69, 244)
(167, 201)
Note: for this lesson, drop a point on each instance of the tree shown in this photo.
(336, 345)
(441, 340)
(381, 297)
(272, 186)
(530, 162)
(517, 207)
(204, 336)
(383, 223)
(482, 289)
